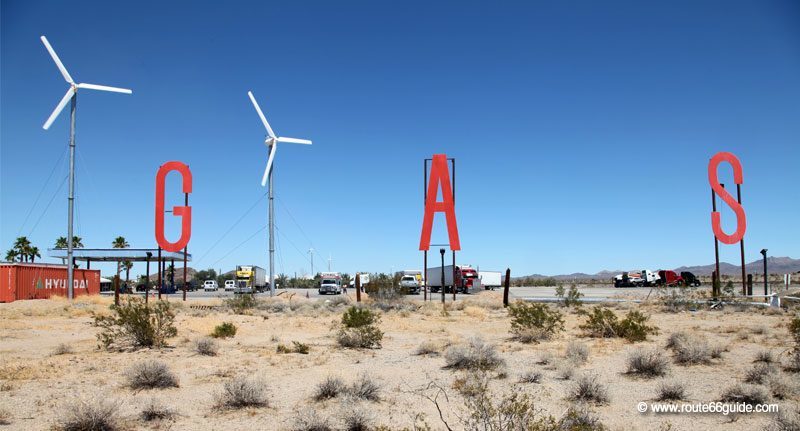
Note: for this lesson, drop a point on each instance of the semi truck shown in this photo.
(466, 279)
(330, 282)
(644, 277)
(490, 279)
(250, 279)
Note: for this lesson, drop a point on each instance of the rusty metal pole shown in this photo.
(425, 276)
(764, 252)
(453, 163)
(715, 282)
(185, 250)
(116, 289)
(441, 252)
(506, 287)
(741, 243)
(160, 274)
(358, 287)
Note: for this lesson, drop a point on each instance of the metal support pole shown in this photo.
(88, 263)
(71, 201)
(147, 280)
(172, 274)
(749, 284)
(185, 250)
(160, 274)
(741, 243)
(116, 289)
(715, 281)
(764, 252)
(424, 202)
(272, 231)
(441, 252)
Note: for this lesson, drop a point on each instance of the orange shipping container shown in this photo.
(41, 281)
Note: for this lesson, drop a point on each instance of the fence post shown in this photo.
(358, 287)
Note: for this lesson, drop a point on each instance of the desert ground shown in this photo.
(50, 360)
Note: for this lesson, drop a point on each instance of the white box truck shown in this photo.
(490, 279)
(466, 279)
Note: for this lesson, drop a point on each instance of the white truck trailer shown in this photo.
(490, 279)
(466, 279)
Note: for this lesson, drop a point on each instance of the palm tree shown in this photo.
(77, 242)
(119, 242)
(127, 265)
(11, 255)
(22, 245)
(33, 253)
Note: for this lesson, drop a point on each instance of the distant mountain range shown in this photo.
(775, 265)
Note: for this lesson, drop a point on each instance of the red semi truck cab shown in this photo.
(465, 278)
(670, 278)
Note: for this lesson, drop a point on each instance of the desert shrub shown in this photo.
(580, 418)
(359, 329)
(601, 323)
(5, 417)
(716, 351)
(62, 349)
(647, 363)
(310, 420)
(759, 373)
(241, 392)
(531, 377)
(513, 411)
(780, 388)
(671, 391)
(239, 304)
(329, 388)
(365, 388)
(206, 346)
(573, 297)
(566, 370)
(428, 348)
(676, 339)
(690, 350)
(297, 347)
(155, 411)
(765, 356)
(634, 327)
(94, 415)
(793, 364)
(357, 419)
(150, 374)
(532, 322)
(545, 358)
(745, 393)
(587, 388)
(785, 420)
(135, 324)
(224, 330)
(476, 354)
(560, 291)
(577, 352)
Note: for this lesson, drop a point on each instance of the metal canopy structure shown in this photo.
(117, 254)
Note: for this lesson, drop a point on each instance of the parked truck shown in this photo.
(490, 279)
(644, 277)
(363, 280)
(463, 279)
(669, 278)
(250, 279)
(330, 282)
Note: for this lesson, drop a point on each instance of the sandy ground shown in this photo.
(36, 386)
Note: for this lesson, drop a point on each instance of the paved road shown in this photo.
(589, 292)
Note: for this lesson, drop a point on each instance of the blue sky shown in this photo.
(582, 130)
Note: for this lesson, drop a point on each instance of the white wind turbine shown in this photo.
(272, 142)
(72, 94)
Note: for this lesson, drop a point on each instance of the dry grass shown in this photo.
(365, 388)
(241, 392)
(476, 354)
(310, 420)
(62, 349)
(329, 388)
(759, 373)
(92, 415)
(647, 363)
(150, 374)
(531, 377)
(587, 388)
(671, 391)
(577, 352)
(206, 346)
(745, 393)
(428, 348)
(154, 410)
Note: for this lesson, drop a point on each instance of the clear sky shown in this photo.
(582, 130)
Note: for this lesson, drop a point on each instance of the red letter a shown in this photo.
(440, 174)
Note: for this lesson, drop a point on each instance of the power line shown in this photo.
(311, 243)
(293, 244)
(230, 229)
(48, 206)
(239, 245)
(41, 191)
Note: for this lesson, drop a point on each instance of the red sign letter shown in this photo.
(440, 174)
(741, 221)
(184, 212)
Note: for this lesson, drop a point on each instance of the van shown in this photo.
(210, 285)
(230, 285)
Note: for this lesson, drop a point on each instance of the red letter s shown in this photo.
(741, 221)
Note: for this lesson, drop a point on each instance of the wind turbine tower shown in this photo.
(271, 142)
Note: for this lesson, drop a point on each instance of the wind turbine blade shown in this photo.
(269, 163)
(59, 108)
(57, 60)
(261, 114)
(105, 88)
(294, 140)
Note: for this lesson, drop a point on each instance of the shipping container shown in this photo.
(41, 281)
